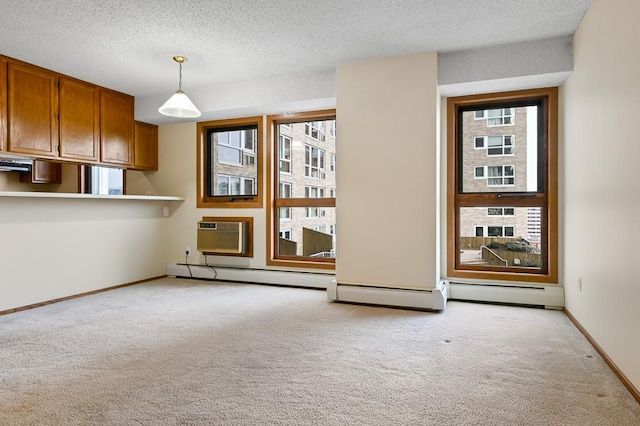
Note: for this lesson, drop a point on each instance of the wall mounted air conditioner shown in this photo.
(222, 237)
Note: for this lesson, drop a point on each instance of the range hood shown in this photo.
(15, 163)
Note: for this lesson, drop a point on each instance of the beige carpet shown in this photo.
(187, 352)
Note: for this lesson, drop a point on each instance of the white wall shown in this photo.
(53, 247)
(387, 188)
(600, 180)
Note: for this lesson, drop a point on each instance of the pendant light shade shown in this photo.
(179, 105)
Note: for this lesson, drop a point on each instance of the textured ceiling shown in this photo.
(128, 45)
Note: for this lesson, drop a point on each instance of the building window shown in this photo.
(315, 130)
(313, 192)
(229, 167)
(234, 143)
(495, 117)
(285, 190)
(314, 162)
(495, 145)
(284, 213)
(476, 208)
(285, 153)
(286, 234)
(306, 209)
(500, 231)
(501, 176)
(500, 211)
(235, 185)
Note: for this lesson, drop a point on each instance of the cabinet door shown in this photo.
(79, 120)
(33, 110)
(43, 172)
(145, 142)
(3, 104)
(116, 127)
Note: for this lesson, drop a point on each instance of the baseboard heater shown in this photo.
(551, 296)
(430, 299)
(251, 275)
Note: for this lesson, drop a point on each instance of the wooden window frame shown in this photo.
(203, 200)
(547, 199)
(274, 202)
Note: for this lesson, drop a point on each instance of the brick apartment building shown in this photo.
(499, 155)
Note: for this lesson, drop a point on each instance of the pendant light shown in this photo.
(179, 105)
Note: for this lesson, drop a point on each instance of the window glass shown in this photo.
(491, 149)
(284, 150)
(304, 199)
(502, 237)
(104, 180)
(310, 232)
(503, 200)
(228, 163)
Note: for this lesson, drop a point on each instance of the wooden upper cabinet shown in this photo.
(116, 127)
(3, 104)
(79, 120)
(145, 154)
(32, 110)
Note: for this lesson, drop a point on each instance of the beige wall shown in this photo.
(387, 195)
(600, 180)
(10, 181)
(176, 175)
(57, 247)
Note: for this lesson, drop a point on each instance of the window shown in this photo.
(286, 234)
(314, 162)
(285, 190)
(313, 192)
(284, 213)
(501, 175)
(307, 209)
(102, 180)
(500, 211)
(489, 204)
(495, 175)
(285, 153)
(500, 231)
(500, 117)
(229, 166)
(495, 145)
(315, 130)
(235, 185)
(500, 145)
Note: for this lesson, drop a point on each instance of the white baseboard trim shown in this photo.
(431, 299)
(251, 275)
(551, 297)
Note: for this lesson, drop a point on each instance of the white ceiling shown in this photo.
(127, 45)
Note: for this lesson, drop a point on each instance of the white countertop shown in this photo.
(88, 196)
